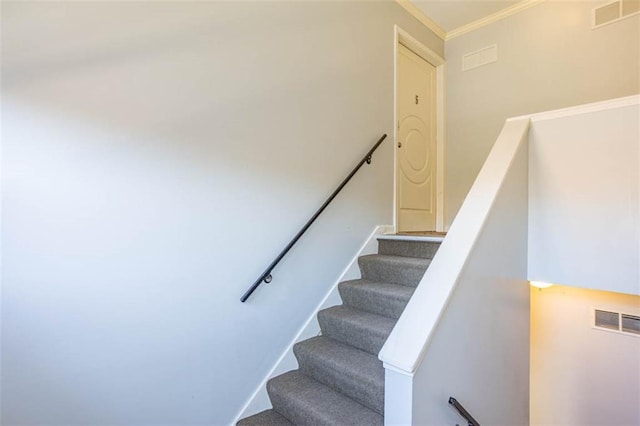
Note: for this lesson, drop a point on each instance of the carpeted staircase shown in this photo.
(340, 380)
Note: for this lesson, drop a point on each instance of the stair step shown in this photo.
(357, 374)
(307, 402)
(360, 329)
(265, 418)
(378, 298)
(393, 269)
(408, 248)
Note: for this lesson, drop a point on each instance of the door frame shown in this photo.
(406, 39)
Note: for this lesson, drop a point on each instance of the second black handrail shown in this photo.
(464, 413)
(266, 275)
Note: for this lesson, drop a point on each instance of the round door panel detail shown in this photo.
(414, 156)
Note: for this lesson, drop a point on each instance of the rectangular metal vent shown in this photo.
(606, 319)
(629, 7)
(614, 11)
(607, 13)
(616, 321)
(630, 324)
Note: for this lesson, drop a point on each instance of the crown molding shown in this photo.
(424, 19)
(490, 19)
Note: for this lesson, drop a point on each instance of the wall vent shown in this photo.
(616, 321)
(481, 57)
(630, 324)
(615, 11)
(606, 319)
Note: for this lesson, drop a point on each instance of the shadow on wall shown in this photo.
(150, 174)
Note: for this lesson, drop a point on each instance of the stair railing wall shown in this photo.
(465, 331)
(266, 277)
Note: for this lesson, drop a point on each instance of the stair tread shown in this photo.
(417, 261)
(355, 373)
(307, 402)
(381, 298)
(363, 330)
(409, 246)
(265, 418)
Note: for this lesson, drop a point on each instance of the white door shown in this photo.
(416, 144)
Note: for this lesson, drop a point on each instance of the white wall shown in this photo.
(581, 375)
(156, 156)
(584, 197)
(548, 58)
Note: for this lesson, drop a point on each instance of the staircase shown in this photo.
(340, 380)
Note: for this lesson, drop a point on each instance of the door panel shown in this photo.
(416, 144)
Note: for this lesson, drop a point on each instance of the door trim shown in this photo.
(406, 39)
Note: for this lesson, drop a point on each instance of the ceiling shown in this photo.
(451, 14)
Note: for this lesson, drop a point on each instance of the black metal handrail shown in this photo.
(266, 275)
(464, 413)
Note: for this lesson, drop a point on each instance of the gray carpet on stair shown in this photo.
(378, 298)
(393, 269)
(304, 401)
(340, 381)
(362, 330)
(265, 418)
(408, 248)
(357, 374)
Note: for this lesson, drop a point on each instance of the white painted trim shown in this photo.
(422, 17)
(412, 238)
(398, 397)
(366, 248)
(403, 37)
(390, 367)
(490, 19)
(387, 229)
(581, 109)
(441, 129)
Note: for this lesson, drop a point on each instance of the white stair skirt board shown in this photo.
(259, 400)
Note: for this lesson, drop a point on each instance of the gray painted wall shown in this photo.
(548, 58)
(584, 186)
(156, 156)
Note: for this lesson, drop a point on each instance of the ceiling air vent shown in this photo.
(615, 321)
(615, 11)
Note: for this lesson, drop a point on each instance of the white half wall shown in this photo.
(584, 197)
(156, 156)
(465, 331)
(479, 352)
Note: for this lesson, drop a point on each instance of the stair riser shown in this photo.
(284, 405)
(391, 272)
(301, 405)
(368, 392)
(265, 418)
(348, 334)
(372, 302)
(423, 249)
